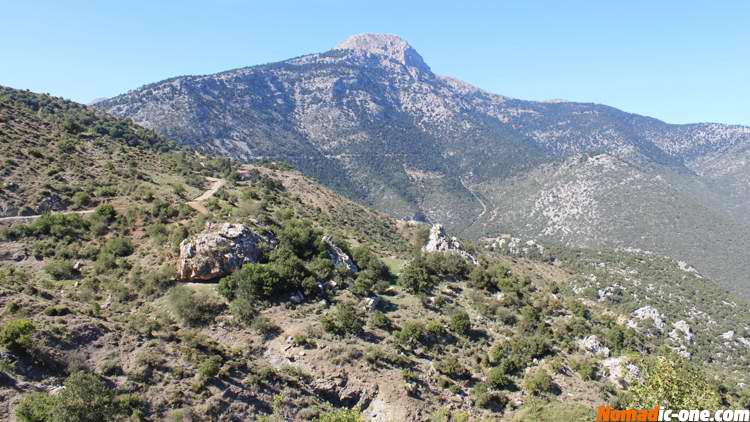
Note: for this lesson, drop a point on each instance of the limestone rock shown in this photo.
(592, 345)
(219, 250)
(339, 258)
(439, 242)
(620, 372)
(647, 312)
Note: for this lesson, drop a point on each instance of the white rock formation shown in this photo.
(339, 258)
(592, 345)
(439, 242)
(644, 313)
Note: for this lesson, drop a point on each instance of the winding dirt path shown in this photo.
(474, 194)
(197, 203)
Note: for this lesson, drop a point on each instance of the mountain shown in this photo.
(100, 321)
(370, 119)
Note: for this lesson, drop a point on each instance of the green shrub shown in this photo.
(264, 326)
(498, 379)
(252, 281)
(118, 246)
(16, 334)
(452, 367)
(342, 415)
(344, 319)
(485, 398)
(243, 309)
(538, 382)
(460, 322)
(85, 398)
(673, 382)
(60, 269)
(57, 310)
(67, 227)
(411, 333)
(300, 237)
(210, 367)
(80, 200)
(585, 367)
(380, 320)
(416, 278)
(194, 309)
(36, 407)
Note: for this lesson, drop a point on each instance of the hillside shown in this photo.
(370, 119)
(138, 309)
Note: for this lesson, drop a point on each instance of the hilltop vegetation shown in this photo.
(91, 302)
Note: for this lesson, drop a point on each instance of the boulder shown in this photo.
(219, 250)
(439, 242)
(339, 258)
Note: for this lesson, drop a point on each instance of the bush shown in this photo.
(66, 227)
(453, 368)
(60, 269)
(498, 379)
(210, 367)
(264, 326)
(585, 367)
(16, 334)
(411, 333)
(80, 200)
(85, 398)
(538, 382)
(243, 309)
(460, 322)
(416, 278)
(344, 319)
(343, 415)
(299, 237)
(673, 382)
(57, 310)
(118, 246)
(252, 281)
(487, 399)
(380, 320)
(194, 309)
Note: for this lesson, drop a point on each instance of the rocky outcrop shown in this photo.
(682, 337)
(340, 259)
(646, 313)
(220, 250)
(592, 345)
(619, 372)
(439, 242)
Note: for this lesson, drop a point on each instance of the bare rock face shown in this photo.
(592, 345)
(439, 242)
(386, 45)
(619, 372)
(220, 250)
(339, 258)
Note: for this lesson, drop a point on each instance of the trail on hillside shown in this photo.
(474, 194)
(196, 204)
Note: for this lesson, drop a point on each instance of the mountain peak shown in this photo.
(389, 45)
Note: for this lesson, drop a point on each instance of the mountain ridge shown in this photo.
(394, 135)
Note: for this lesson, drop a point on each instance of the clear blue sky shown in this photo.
(680, 61)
